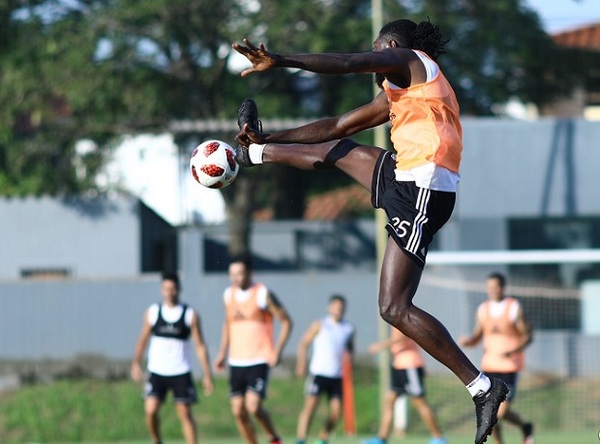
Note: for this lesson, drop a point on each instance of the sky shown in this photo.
(564, 15)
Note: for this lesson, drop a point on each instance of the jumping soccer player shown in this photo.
(416, 186)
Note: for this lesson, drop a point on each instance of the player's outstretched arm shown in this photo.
(387, 60)
(370, 115)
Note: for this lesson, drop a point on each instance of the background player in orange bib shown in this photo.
(501, 324)
(407, 378)
(247, 346)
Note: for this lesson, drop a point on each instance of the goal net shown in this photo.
(559, 291)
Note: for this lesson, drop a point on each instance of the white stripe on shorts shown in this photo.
(413, 387)
(415, 237)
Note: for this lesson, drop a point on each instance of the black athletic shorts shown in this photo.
(316, 385)
(253, 378)
(414, 214)
(184, 390)
(408, 381)
(510, 379)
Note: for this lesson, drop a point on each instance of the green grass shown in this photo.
(545, 437)
(564, 411)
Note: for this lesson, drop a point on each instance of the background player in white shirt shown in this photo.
(168, 327)
(330, 338)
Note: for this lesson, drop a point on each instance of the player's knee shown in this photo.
(393, 312)
(334, 417)
(151, 409)
(239, 411)
(253, 408)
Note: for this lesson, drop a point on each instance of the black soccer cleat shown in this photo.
(486, 409)
(242, 156)
(248, 114)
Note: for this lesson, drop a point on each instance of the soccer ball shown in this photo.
(213, 164)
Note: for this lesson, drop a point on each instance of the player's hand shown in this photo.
(207, 385)
(246, 136)
(463, 341)
(261, 59)
(274, 361)
(136, 372)
(219, 364)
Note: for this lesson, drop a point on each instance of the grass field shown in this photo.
(92, 411)
(581, 437)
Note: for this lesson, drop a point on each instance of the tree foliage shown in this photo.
(96, 69)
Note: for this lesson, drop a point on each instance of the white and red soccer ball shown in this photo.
(213, 164)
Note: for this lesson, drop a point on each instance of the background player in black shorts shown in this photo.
(168, 327)
(329, 337)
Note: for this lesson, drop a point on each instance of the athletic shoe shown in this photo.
(528, 433)
(440, 440)
(374, 440)
(248, 114)
(276, 440)
(242, 156)
(486, 409)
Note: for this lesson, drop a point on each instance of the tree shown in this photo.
(497, 51)
(97, 69)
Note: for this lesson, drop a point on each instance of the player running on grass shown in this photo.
(416, 186)
(168, 327)
(329, 337)
(407, 378)
(501, 324)
(247, 346)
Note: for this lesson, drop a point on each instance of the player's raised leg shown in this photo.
(358, 161)
(400, 276)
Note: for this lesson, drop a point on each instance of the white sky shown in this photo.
(564, 15)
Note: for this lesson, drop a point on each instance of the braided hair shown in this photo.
(424, 36)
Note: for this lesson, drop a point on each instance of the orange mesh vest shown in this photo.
(405, 354)
(500, 335)
(425, 124)
(250, 328)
